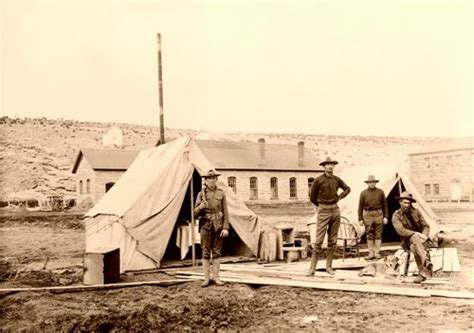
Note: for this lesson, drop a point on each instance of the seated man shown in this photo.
(414, 232)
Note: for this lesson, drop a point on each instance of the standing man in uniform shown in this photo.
(211, 210)
(325, 197)
(414, 232)
(373, 213)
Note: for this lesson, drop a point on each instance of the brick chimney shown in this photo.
(301, 154)
(261, 149)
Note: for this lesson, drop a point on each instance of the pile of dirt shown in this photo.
(233, 307)
(7, 270)
(186, 307)
(43, 219)
(38, 278)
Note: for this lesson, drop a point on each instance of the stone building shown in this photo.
(261, 172)
(445, 173)
(257, 172)
(97, 170)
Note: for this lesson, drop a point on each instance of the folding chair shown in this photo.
(348, 233)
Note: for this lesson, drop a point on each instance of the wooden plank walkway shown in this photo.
(390, 287)
(346, 278)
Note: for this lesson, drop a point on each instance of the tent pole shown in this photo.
(193, 248)
(399, 186)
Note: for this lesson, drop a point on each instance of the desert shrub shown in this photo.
(70, 203)
(3, 203)
(32, 203)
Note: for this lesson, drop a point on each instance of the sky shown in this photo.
(383, 68)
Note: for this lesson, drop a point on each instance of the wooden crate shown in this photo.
(288, 235)
(293, 253)
(101, 266)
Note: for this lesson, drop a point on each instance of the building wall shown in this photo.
(83, 173)
(97, 179)
(264, 189)
(101, 179)
(450, 170)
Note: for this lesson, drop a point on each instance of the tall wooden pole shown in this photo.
(160, 92)
(399, 185)
(193, 237)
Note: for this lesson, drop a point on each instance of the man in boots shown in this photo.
(324, 195)
(414, 232)
(211, 210)
(373, 213)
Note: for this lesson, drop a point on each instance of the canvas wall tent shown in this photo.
(139, 213)
(392, 180)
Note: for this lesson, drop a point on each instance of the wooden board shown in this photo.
(455, 266)
(452, 294)
(437, 258)
(354, 287)
(390, 290)
(94, 287)
(447, 267)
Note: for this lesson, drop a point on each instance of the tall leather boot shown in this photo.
(330, 256)
(370, 245)
(314, 260)
(377, 245)
(216, 263)
(206, 265)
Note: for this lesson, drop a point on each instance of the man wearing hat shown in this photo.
(414, 232)
(211, 210)
(373, 213)
(324, 194)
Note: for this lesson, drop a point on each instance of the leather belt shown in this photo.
(334, 205)
(214, 217)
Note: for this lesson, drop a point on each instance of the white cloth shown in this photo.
(184, 238)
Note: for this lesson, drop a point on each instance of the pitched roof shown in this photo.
(106, 159)
(454, 145)
(246, 155)
(222, 154)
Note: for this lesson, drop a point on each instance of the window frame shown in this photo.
(234, 180)
(253, 189)
(427, 189)
(293, 189)
(274, 188)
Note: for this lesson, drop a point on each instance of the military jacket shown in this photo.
(216, 214)
(407, 227)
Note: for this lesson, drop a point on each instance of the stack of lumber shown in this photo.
(293, 274)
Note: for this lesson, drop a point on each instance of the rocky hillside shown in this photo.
(37, 155)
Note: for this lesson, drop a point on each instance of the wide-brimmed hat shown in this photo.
(371, 179)
(406, 195)
(211, 173)
(328, 161)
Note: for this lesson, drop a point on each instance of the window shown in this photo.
(435, 162)
(232, 182)
(427, 189)
(427, 162)
(449, 159)
(435, 189)
(310, 184)
(88, 186)
(253, 188)
(274, 188)
(108, 186)
(458, 159)
(81, 189)
(293, 188)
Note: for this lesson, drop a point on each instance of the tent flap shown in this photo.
(139, 213)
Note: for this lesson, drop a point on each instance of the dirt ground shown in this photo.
(41, 251)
